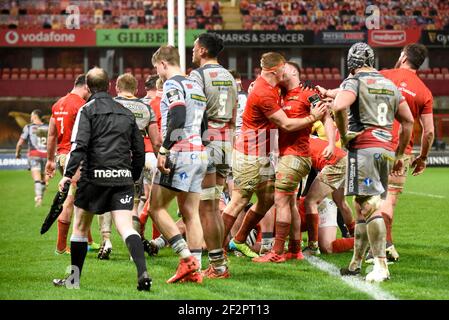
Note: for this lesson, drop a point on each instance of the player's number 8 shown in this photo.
(382, 110)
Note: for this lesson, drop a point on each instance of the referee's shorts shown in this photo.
(100, 199)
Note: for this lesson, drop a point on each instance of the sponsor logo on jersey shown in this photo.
(226, 83)
(381, 91)
(381, 135)
(198, 97)
(112, 173)
(173, 96)
(126, 200)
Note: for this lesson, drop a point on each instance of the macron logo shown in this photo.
(112, 174)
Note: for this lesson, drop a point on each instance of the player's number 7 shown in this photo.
(61, 119)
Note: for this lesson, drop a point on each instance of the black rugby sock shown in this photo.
(135, 247)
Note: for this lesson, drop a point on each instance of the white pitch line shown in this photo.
(372, 290)
(425, 194)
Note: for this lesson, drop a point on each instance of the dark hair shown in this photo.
(235, 74)
(295, 65)
(80, 80)
(150, 82)
(212, 42)
(37, 112)
(97, 80)
(416, 53)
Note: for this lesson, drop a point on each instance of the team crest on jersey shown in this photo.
(189, 86)
(371, 81)
(213, 74)
(173, 96)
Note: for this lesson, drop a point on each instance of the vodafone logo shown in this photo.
(388, 37)
(11, 37)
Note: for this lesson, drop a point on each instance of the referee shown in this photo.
(106, 138)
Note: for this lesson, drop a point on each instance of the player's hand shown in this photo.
(322, 91)
(50, 169)
(398, 167)
(319, 110)
(307, 85)
(328, 152)
(419, 165)
(62, 183)
(161, 161)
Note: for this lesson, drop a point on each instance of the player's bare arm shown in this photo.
(155, 137)
(342, 102)
(405, 117)
(52, 138)
(329, 127)
(19, 145)
(428, 134)
(280, 119)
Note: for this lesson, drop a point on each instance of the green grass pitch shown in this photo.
(28, 263)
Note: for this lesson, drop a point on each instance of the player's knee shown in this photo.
(368, 204)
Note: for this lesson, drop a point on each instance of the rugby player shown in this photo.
(182, 163)
(330, 180)
(373, 102)
(294, 162)
(221, 92)
(104, 136)
(252, 169)
(63, 115)
(420, 100)
(35, 135)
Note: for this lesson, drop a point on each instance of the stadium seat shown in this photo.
(50, 76)
(446, 76)
(310, 76)
(59, 76)
(439, 76)
(444, 70)
(317, 70)
(6, 70)
(326, 70)
(436, 70)
(5, 76)
(32, 76)
(426, 71)
(146, 70)
(335, 70)
(59, 70)
(430, 76)
(422, 75)
(14, 76)
(319, 76)
(15, 70)
(68, 70)
(137, 71)
(309, 70)
(77, 71)
(303, 76)
(23, 76)
(128, 70)
(24, 71)
(138, 76)
(51, 70)
(68, 76)
(337, 76)
(41, 75)
(328, 76)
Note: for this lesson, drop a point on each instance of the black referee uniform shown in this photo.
(109, 146)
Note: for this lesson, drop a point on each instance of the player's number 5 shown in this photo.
(222, 99)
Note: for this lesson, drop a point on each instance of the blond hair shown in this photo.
(169, 54)
(271, 60)
(127, 82)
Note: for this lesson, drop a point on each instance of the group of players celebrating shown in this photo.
(211, 146)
